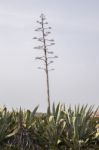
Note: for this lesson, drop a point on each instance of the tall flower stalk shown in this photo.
(47, 56)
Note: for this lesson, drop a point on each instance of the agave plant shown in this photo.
(79, 132)
(7, 126)
(22, 139)
(49, 128)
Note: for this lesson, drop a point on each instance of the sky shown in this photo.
(75, 28)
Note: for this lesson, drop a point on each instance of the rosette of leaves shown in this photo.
(7, 127)
(79, 132)
(24, 138)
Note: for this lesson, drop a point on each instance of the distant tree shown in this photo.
(47, 55)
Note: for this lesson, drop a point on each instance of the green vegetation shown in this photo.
(64, 129)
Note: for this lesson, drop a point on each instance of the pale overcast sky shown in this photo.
(75, 28)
